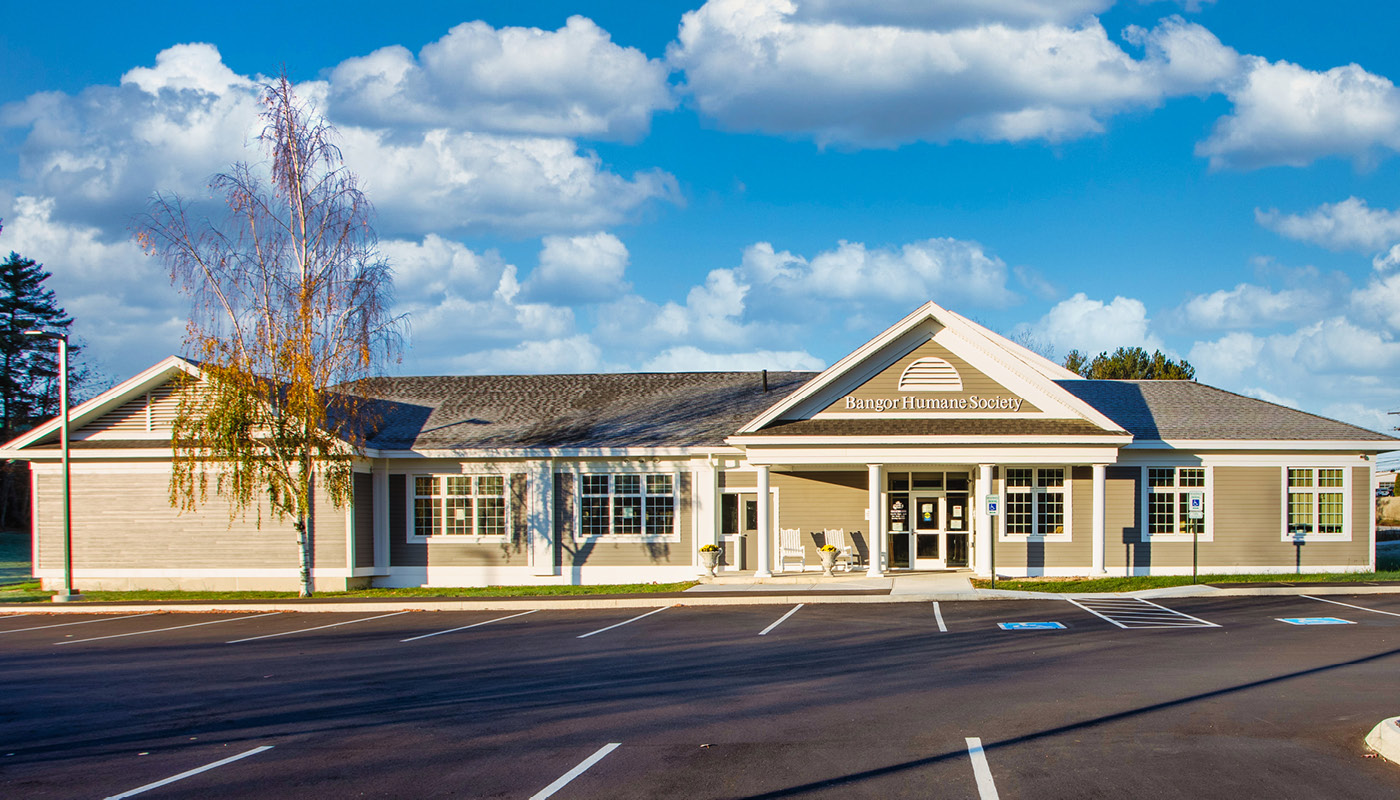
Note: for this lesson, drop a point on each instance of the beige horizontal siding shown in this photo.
(886, 383)
(125, 521)
(1076, 553)
(153, 411)
(734, 479)
(1247, 504)
(815, 501)
(448, 553)
(600, 552)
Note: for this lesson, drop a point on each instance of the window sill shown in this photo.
(1176, 537)
(448, 539)
(1289, 538)
(1035, 537)
(626, 538)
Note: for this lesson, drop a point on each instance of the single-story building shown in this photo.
(936, 445)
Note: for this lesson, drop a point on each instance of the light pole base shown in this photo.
(63, 597)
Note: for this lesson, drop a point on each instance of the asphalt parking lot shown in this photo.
(971, 699)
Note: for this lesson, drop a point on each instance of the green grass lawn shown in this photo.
(1387, 563)
(30, 592)
(14, 557)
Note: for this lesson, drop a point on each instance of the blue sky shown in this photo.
(596, 186)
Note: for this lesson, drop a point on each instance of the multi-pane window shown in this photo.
(1169, 491)
(1316, 501)
(1035, 501)
(636, 505)
(459, 505)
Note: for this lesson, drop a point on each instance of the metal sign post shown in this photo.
(993, 506)
(1195, 510)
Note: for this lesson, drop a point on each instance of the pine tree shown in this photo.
(28, 369)
(1130, 363)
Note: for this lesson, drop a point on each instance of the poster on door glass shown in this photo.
(898, 515)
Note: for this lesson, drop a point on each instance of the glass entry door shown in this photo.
(928, 531)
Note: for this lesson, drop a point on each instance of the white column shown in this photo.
(539, 518)
(704, 494)
(705, 501)
(765, 526)
(986, 531)
(380, 493)
(876, 538)
(1100, 473)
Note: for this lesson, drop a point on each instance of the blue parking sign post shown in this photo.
(992, 503)
(1195, 510)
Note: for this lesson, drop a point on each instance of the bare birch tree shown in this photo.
(290, 317)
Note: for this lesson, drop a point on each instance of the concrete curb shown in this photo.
(1385, 739)
(750, 598)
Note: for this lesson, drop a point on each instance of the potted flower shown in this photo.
(709, 558)
(828, 553)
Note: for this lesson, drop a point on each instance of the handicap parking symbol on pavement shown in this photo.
(1315, 621)
(1030, 626)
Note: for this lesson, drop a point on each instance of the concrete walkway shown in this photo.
(914, 587)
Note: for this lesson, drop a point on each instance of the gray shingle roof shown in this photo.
(1190, 410)
(673, 409)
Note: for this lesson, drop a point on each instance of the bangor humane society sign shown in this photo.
(909, 403)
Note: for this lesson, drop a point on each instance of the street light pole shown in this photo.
(66, 594)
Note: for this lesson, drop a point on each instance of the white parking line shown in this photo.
(171, 628)
(83, 622)
(580, 769)
(986, 787)
(1349, 605)
(1137, 613)
(317, 628)
(466, 627)
(620, 624)
(184, 775)
(938, 615)
(765, 631)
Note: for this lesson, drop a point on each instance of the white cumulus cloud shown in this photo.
(842, 75)
(1285, 114)
(692, 359)
(1249, 305)
(1348, 225)
(571, 82)
(1093, 326)
(102, 152)
(579, 269)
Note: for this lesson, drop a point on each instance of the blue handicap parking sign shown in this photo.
(1315, 621)
(1030, 626)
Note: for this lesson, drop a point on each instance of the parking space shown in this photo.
(835, 700)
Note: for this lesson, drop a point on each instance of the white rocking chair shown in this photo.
(790, 547)
(836, 537)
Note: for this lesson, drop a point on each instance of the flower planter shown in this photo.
(709, 559)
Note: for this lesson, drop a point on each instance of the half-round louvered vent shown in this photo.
(930, 375)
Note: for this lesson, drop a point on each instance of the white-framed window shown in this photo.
(1036, 504)
(1315, 504)
(1166, 503)
(627, 506)
(465, 507)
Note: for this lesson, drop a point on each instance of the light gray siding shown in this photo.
(125, 521)
(364, 519)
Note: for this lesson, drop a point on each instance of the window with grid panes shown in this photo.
(635, 505)
(1316, 501)
(1169, 492)
(459, 505)
(1035, 501)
